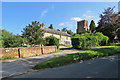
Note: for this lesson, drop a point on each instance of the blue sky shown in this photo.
(16, 15)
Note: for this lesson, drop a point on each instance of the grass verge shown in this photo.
(76, 57)
(7, 57)
(70, 46)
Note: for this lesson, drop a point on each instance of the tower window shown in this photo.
(86, 24)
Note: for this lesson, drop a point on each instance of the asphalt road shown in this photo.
(24, 65)
(106, 67)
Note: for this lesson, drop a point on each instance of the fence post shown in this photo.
(19, 52)
(42, 50)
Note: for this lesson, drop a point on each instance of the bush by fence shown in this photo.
(88, 40)
(52, 41)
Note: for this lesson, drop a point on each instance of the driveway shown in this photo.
(24, 65)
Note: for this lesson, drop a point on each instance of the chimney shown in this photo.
(42, 25)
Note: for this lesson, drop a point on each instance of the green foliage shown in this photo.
(97, 53)
(10, 40)
(82, 32)
(51, 26)
(108, 23)
(58, 29)
(70, 32)
(118, 33)
(70, 46)
(89, 40)
(34, 34)
(76, 57)
(92, 25)
(8, 57)
(51, 40)
(64, 29)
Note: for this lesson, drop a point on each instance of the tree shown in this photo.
(51, 26)
(64, 29)
(108, 23)
(118, 33)
(10, 40)
(82, 32)
(34, 34)
(58, 29)
(92, 25)
(70, 32)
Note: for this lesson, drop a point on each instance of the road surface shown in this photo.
(106, 67)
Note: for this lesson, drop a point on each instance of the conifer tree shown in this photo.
(92, 25)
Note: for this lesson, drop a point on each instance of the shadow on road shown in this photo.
(66, 48)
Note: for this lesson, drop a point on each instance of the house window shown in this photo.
(60, 39)
(66, 37)
(60, 36)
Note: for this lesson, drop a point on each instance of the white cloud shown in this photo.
(65, 24)
(43, 13)
(61, 24)
(89, 11)
(70, 24)
(88, 16)
(76, 19)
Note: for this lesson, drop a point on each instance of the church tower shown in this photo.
(82, 25)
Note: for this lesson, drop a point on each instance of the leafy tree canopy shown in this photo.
(108, 23)
(9, 40)
(64, 29)
(58, 29)
(33, 33)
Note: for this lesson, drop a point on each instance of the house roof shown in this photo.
(55, 32)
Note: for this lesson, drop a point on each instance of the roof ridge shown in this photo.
(55, 31)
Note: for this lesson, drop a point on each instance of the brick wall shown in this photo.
(49, 49)
(13, 52)
(26, 52)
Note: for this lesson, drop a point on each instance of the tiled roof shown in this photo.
(55, 32)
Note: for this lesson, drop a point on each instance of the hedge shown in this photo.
(88, 40)
(51, 40)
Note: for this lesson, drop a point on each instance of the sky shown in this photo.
(16, 15)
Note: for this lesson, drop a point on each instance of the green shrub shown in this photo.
(118, 33)
(88, 40)
(51, 40)
(10, 40)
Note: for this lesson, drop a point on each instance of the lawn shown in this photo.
(77, 57)
(70, 46)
